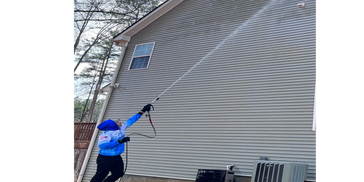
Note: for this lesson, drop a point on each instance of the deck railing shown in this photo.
(83, 131)
(82, 137)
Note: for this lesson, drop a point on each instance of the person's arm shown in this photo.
(130, 121)
(135, 118)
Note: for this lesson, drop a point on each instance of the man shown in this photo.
(111, 144)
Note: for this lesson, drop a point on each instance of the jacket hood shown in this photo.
(108, 125)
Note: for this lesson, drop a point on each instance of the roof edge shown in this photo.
(139, 25)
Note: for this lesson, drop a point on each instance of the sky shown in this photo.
(76, 82)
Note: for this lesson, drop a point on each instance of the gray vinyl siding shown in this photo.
(252, 97)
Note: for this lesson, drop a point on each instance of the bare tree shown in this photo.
(107, 16)
(96, 22)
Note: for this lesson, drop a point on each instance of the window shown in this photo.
(315, 123)
(141, 56)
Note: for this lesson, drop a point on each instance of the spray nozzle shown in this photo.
(155, 100)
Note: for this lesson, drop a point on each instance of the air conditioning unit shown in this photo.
(211, 175)
(274, 171)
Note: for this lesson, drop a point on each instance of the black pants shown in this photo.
(105, 164)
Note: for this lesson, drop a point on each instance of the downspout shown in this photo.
(102, 113)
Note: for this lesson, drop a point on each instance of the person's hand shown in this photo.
(147, 107)
(125, 139)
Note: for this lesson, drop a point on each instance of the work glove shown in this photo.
(125, 139)
(147, 107)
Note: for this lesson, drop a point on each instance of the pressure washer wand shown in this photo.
(151, 123)
(148, 115)
(150, 119)
(153, 101)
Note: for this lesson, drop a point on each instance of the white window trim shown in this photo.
(150, 57)
(316, 108)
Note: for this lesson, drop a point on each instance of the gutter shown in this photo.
(94, 135)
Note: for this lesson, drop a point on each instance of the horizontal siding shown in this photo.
(251, 97)
(92, 166)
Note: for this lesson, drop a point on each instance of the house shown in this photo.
(248, 92)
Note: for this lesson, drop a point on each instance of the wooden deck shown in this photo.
(81, 134)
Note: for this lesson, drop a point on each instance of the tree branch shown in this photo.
(101, 11)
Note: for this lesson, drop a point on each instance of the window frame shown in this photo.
(132, 56)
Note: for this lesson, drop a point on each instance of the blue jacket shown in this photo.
(108, 140)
